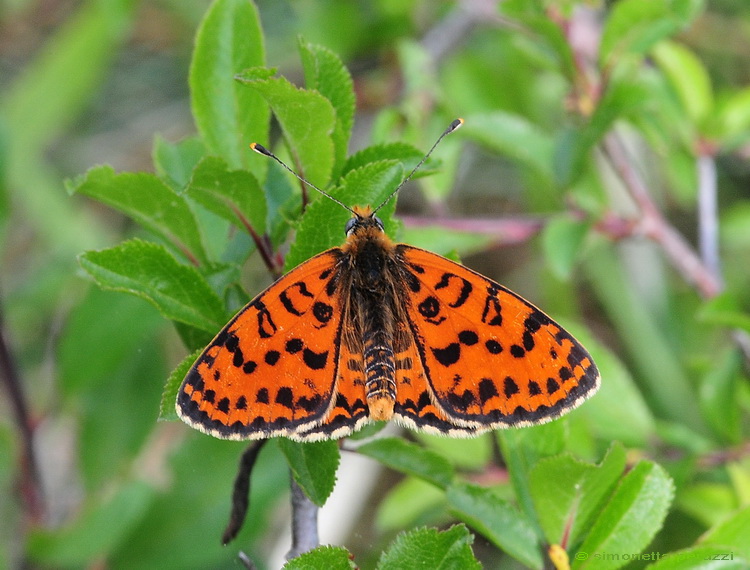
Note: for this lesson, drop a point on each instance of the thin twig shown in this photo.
(262, 243)
(304, 522)
(653, 224)
(29, 481)
(505, 230)
(708, 217)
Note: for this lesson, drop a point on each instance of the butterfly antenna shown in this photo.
(452, 127)
(260, 149)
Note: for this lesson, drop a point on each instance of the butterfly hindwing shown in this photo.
(271, 371)
(490, 358)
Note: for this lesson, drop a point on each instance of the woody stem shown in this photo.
(304, 522)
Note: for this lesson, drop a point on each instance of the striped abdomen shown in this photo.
(380, 380)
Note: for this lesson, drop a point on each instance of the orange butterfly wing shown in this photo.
(480, 357)
(274, 369)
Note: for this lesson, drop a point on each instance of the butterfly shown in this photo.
(375, 330)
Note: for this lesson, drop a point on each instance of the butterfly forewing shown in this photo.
(490, 358)
(271, 371)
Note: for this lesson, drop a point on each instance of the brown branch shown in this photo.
(262, 243)
(653, 224)
(506, 231)
(29, 481)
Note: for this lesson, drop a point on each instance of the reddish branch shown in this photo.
(29, 482)
(653, 225)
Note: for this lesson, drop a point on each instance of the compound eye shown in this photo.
(379, 222)
(350, 225)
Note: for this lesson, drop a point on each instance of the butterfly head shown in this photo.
(363, 220)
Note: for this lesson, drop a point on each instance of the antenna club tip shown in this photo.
(456, 124)
(260, 149)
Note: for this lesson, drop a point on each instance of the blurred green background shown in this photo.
(93, 82)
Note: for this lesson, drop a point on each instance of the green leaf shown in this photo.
(732, 533)
(633, 26)
(707, 503)
(228, 115)
(719, 396)
(467, 454)
(73, 63)
(573, 146)
(313, 465)
(431, 548)
(411, 459)
(733, 117)
(322, 558)
(724, 310)
(234, 195)
(497, 520)
(326, 73)
(562, 240)
(631, 518)
(689, 78)
(307, 120)
(663, 380)
(174, 162)
(407, 503)
(407, 154)
(618, 410)
(167, 411)
(569, 493)
(96, 532)
(149, 271)
(514, 136)
(522, 448)
(148, 201)
(324, 221)
(99, 337)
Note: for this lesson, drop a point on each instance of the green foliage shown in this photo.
(313, 465)
(429, 548)
(652, 472)
(322, 558)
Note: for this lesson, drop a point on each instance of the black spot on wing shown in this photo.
(517, 351)
(463, 294)
(462, 401)
(322, 312)
(487, 390)
(238, 359)
(315, 360)
(493, 346)
(294, 345)
(492, 312)
(429, 308)
(285, 397)
(468, 338)
(223, 405)
(510, 387)
(448, 355)
(286, 300)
